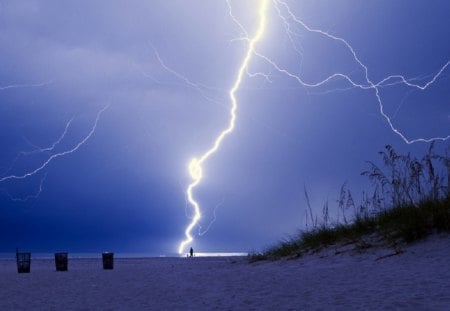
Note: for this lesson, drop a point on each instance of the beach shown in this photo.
(417, 279)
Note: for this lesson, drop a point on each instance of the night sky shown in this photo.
(136, 89)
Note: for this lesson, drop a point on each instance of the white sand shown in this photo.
(419, 279)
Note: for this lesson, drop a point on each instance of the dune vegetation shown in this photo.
(409, 201)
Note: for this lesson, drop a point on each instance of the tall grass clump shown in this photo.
(406, 180)
(410, 199)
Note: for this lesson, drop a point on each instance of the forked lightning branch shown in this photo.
(281, 10)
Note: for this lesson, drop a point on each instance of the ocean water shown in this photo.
(208, 254)
(41, 255)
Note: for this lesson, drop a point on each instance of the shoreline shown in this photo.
(119, 255)
(415, 279)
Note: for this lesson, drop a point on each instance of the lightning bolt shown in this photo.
(288, 17)
(28, 197)
(46, 149)
(195, 166)
(58, 155)
(38, 149)
(369, 84)
(15, 86)
(200, 229)
(198, 87)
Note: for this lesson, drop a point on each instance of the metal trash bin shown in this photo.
(108, 260)
(61, 261)
(23, 262)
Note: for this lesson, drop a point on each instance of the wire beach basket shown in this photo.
(108, 260)
(23, 262)
(61, 261)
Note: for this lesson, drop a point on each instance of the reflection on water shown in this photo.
(37, 255)
(219, 254)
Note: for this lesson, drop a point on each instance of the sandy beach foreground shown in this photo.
(418, 279)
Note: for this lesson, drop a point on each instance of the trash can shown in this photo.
(108, 260)
(23, 262)
(61, 261)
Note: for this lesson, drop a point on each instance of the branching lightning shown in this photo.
(195, 166)
(289, 19)
(38, 149)
(15, 86)
(59, 154)
(202, 231)
(198, 87)
(369, 84)
(28, 197)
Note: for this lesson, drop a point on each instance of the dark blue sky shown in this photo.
(164, 70)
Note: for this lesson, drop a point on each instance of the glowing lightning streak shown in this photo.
(29, 197)
(195, 166)
(39, 149)
(61, 154)
(200, 229)
(46, 149)
(370, 84)
(14, 86)
(196, 86)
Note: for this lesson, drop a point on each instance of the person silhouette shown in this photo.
(191, 252)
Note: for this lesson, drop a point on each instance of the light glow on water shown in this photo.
(212, 254)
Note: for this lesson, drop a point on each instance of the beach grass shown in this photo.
(411, 200)
(403, 224)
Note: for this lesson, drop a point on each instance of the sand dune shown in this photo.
(418, 279)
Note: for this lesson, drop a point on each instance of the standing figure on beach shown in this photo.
(191, 252)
